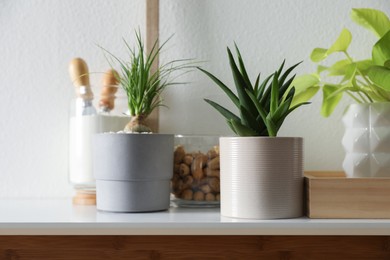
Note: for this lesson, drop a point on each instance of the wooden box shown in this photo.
(332, 195)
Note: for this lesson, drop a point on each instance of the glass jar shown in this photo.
(88, 116)
(195, 181)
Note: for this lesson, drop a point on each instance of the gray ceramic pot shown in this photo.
(132, 171)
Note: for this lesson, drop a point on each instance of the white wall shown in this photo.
(38, 39)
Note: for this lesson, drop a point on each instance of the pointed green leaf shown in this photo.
(318, 54)
(329, 104)
(286, 73)
(271, 126)
(248, 119)
(256, 86)
(228, 92)
(231, 126)
(262, 87)
(259, 108)
(374, 20)
(274, 94)
(242, 67)
(242, 130)
(224, 112)
(381, 50)
(380, 76)
(240, 85)
(284, 90)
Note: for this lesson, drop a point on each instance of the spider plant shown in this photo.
(263, 106)
(142, 84)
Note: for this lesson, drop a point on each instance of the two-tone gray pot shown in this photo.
(132, 171)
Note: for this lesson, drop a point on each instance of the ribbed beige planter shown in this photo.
(261, 177)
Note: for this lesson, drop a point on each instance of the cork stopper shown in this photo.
(78, 71)
(109, 88)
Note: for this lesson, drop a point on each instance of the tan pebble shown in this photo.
(211, 173)
(187, 194)
(214, 164)
(216, 149)
(188, 180)
(198, 196)
(218, 197)
(188, 159)
(210, 197)
(211, 154)
(205, 188)
(214, 184)
(179, 154)
(196, 168)
(176, 168)
(184, 170)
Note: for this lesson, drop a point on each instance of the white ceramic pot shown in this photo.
(367, 140)
(132, 171)
(261, 177)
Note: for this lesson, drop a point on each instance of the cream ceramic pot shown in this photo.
(261, 177)
(366, 140)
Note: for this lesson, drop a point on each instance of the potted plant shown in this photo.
(367, 82)
(133, 168)
(261, 175)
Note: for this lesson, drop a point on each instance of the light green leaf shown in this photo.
(342, 43)
(305, 88)
(339, 68)
(380, 76)
(381, 50)
(387, 64)
(321, 68)
(364, 65)
(374, 20)
(350, 72)
(329, 103)
(318, 54)
(304, 96)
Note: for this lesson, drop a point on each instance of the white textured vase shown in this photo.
(261, 177)
(367, 140)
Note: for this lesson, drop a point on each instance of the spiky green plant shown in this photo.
(142, 84)
(264, 106)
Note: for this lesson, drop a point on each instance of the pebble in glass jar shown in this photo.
(196, 173)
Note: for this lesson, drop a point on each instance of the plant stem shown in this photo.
(354, 98)
(370, 85)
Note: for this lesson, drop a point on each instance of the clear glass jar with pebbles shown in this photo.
(195, 181)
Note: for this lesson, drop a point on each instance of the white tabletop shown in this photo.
(60, 217)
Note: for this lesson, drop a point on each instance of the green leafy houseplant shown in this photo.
(263, 106)
(142, 84)
(365, 81)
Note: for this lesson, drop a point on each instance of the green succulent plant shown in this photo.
(143, 85)
(263, 106)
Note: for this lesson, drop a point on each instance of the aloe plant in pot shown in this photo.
(133, 168)
(261, 174)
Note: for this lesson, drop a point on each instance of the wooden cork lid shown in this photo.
(84, 197)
